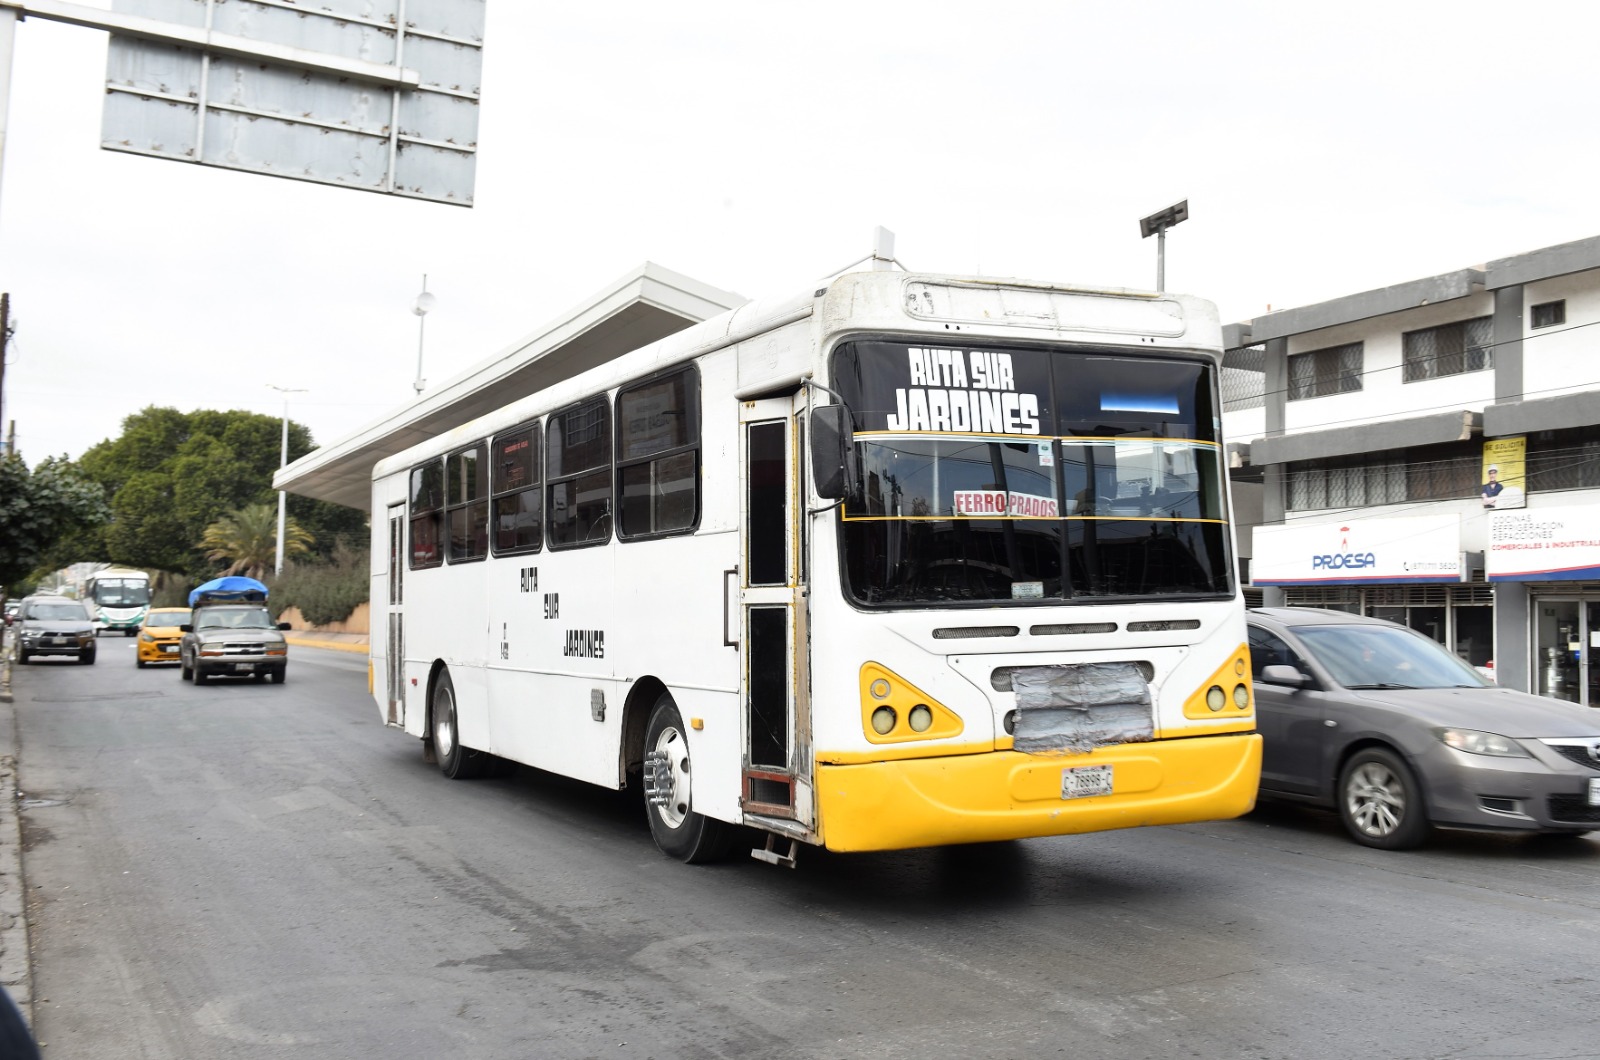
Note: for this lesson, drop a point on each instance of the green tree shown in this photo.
(247, 540)
(171, 474)
(39, 507)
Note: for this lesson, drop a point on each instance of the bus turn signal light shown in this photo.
(1226, 694)
(893, 710)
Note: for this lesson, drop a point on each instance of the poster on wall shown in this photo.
(1425, 548)
(1543, 545)
(1503, 473)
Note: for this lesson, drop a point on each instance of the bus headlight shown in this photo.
(1216, 698)
(921, 718)
(883, 720)
(1241, 696)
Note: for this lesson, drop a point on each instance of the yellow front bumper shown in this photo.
(1012, 795)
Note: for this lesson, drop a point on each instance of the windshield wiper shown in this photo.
(1381, 684)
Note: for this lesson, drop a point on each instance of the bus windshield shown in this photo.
(121, 592)
(993, 475)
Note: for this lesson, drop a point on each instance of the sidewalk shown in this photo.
(16, 970)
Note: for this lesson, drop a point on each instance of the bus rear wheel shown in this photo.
(678, 830)
(456, 761)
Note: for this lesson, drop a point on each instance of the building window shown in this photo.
(1549, 314)
(658, 456)
(467, 504)
(1450, 349)
(1336, 370)
(578, 474)
(426, 498)
(1362, 486)
(517, 514)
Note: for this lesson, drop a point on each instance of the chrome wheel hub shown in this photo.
(666, 777)
(1376, 800)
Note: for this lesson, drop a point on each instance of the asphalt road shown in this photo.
(244, 870)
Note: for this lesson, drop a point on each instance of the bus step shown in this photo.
(771, 856)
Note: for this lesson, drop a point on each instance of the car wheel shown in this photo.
(280, 676)
(86, 658)
(678, 830)
(1380, 801)
(22, 657)
(200, 676)
(140, 663)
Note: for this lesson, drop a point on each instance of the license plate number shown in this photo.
(1594, 792)
(243, 668)
(169, 648)
(1079, 782)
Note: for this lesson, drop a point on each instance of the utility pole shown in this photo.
(5, 343)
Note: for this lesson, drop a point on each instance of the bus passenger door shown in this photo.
(394, 640)
(775, 692)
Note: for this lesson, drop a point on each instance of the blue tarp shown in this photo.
(229, 588)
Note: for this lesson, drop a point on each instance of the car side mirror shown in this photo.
(1283, 675)
(285, 625)
(185, 628)
(833, 452)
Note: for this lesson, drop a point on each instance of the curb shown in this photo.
(302, 640)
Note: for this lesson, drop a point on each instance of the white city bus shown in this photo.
(118, 598)
(909, 560)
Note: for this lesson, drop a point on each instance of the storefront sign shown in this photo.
(1544, 545)
(1359, 552)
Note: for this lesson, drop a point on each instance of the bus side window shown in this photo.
(467, 504)
(658, 456)
(427, 515)
(516, 513)
(578, 475)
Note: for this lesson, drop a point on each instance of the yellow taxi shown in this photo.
(159, 635)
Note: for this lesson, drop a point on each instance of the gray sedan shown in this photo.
(1399, 736)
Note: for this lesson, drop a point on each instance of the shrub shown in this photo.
(327, 591)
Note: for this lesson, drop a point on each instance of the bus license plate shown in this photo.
(1082, 781)
(1594, 792)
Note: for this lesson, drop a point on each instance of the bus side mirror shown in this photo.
(833, 452)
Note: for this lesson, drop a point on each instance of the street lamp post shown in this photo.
(283, 461)
(425, 302)
(1157, 224)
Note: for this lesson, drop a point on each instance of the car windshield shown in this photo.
(62, 612)
(1363, 656)
(235, 619)
(166, 618)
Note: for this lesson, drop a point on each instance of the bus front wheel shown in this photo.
(678, 830)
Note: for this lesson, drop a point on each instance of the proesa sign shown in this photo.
(1369, 552)
(1344, 560)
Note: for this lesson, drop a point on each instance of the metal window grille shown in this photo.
(1319, 373)
(1244, 379)
(1450, 349)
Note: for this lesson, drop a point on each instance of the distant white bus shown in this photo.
(908, 560)
(117, 598)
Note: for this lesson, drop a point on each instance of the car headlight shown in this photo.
(1480, 743)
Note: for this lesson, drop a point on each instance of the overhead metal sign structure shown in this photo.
(378, 95)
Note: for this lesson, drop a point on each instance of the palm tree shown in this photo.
(246, 539)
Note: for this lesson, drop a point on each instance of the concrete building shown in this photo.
(1430, 453)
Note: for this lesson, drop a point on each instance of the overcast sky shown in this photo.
(1324, 149)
